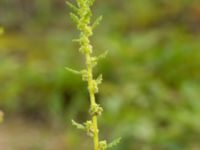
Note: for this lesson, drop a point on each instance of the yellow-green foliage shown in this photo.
(82, 17)
(1, 30)
(1, 116)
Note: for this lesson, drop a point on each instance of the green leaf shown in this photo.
(78, 125)
(103, 55)
(73, 71)
(114, 143)
(97, 22)
(90, 2)
(76, 40)
(74, 8)
(99, 79)
(74, 18)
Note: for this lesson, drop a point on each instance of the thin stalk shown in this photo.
(92, 101)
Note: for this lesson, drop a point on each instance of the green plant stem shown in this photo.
(92, 101)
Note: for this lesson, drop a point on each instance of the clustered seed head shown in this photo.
(95, 110)
(82, 18)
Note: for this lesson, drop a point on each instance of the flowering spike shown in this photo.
(82, 18)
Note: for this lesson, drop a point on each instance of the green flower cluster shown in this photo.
(82, 18)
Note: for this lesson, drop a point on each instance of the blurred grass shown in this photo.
(151, 84)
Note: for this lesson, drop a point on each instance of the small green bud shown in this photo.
(89, 128)
(95, 83)
(95, 88)
(88, 31)
(95, 110)
(84, 75)
(103, 145)
(94, 61)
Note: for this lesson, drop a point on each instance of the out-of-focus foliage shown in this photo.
(1, 116)
(151, 87)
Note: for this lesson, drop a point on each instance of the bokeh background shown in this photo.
(151, 88)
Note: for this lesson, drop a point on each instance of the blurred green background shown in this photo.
(151, 88)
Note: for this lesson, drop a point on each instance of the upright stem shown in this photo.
(82, 17)
(92, 100)
(96, 133)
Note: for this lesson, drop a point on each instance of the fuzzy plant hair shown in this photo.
(81, 16)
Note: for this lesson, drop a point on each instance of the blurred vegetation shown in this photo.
(151, 87)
